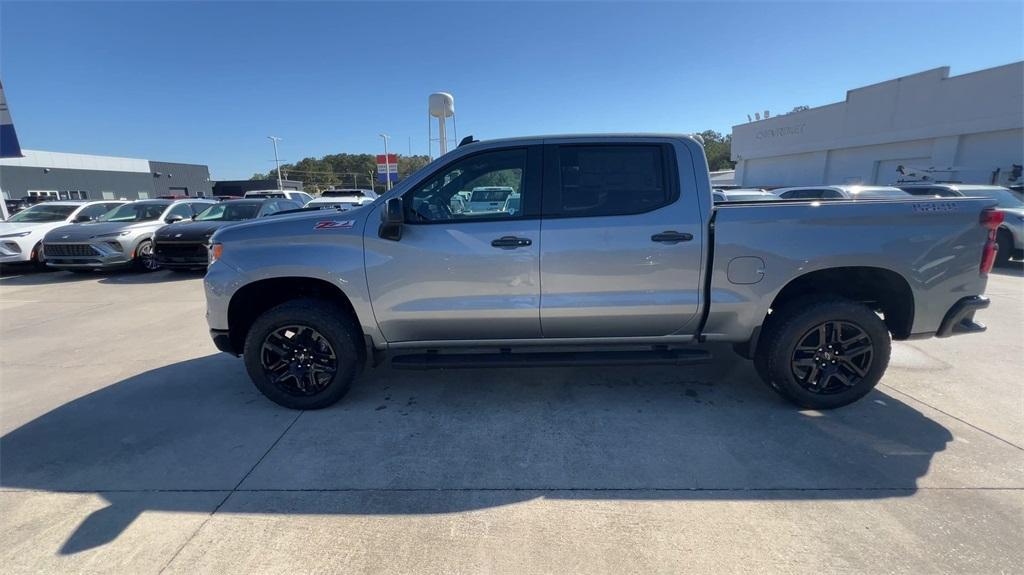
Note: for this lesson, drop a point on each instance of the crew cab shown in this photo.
(122, 237)
(21, 235)
(183, 246)
(617, 256)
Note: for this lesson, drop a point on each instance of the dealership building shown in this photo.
(59, 175)
(929, 125)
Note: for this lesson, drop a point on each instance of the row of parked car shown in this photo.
(82, 235)
(1010, 235)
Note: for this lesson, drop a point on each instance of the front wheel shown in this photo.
(37, 258)
(303, 354)
(144, 260)
(825, 353)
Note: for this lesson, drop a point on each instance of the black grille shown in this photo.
(63, 250)
(183, 251)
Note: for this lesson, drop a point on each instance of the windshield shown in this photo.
(228, 213)
(135, 212)
(43, 213)
(490, 195)
(1003, 198)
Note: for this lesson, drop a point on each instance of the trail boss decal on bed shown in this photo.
(935, 207)
(334, 224)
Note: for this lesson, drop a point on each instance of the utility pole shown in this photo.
(387, 163)
(277, 162)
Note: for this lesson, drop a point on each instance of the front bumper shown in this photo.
(17, 249)
(960, 318)
(181, 255)
(97, 254)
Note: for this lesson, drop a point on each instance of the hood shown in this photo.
(298, 224)
(15, 227)
(88, 231)
(190, 231)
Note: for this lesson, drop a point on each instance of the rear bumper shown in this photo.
(960, 318)
(222, 341)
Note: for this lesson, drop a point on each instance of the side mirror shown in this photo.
(173, 219)
(392, 216)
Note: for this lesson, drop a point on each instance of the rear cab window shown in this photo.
(608, 180)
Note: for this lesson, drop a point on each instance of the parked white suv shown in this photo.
(21, 235)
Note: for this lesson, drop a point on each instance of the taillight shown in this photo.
(990, 220)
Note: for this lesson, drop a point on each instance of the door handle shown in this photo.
(671, 237)
(511, 242)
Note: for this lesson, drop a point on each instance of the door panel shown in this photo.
(461, 276)
(449, 283)
(606, 276)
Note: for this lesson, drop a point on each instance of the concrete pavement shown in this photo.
(128, 444)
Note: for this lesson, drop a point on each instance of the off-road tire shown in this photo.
(330, 321)
(789, 326)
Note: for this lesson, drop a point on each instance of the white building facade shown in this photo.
(967, 128)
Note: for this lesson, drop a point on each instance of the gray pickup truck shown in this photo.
(614, 255)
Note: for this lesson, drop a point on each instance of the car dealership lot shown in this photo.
(129, 443)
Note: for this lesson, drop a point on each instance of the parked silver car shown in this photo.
(121, 237)
(840, 193)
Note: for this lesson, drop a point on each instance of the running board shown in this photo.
(434, 360)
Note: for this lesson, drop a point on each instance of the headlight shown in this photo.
(113, 235)
(215, 252)
(17, 235)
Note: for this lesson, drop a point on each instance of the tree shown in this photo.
(341, 170)
(718, 149)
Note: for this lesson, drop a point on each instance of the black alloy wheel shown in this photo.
(832, 357)
(298, 360)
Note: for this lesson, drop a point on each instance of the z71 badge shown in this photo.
(932, 207)
(334, 224)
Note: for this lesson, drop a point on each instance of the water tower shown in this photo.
(440, 105)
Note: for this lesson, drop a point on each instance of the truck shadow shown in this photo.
(444, 442)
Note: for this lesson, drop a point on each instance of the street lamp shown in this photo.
(387, 162)
(277, 163)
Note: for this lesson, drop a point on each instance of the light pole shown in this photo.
(387, 163)
(277, 163)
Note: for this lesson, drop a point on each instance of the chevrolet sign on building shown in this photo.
(967, 128)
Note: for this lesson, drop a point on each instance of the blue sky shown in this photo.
(206, 83)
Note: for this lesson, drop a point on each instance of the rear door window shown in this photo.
(608, 180)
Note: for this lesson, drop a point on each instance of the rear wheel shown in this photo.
(303, 354)
(144, 260)
(1005, 241)
(825, 353)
